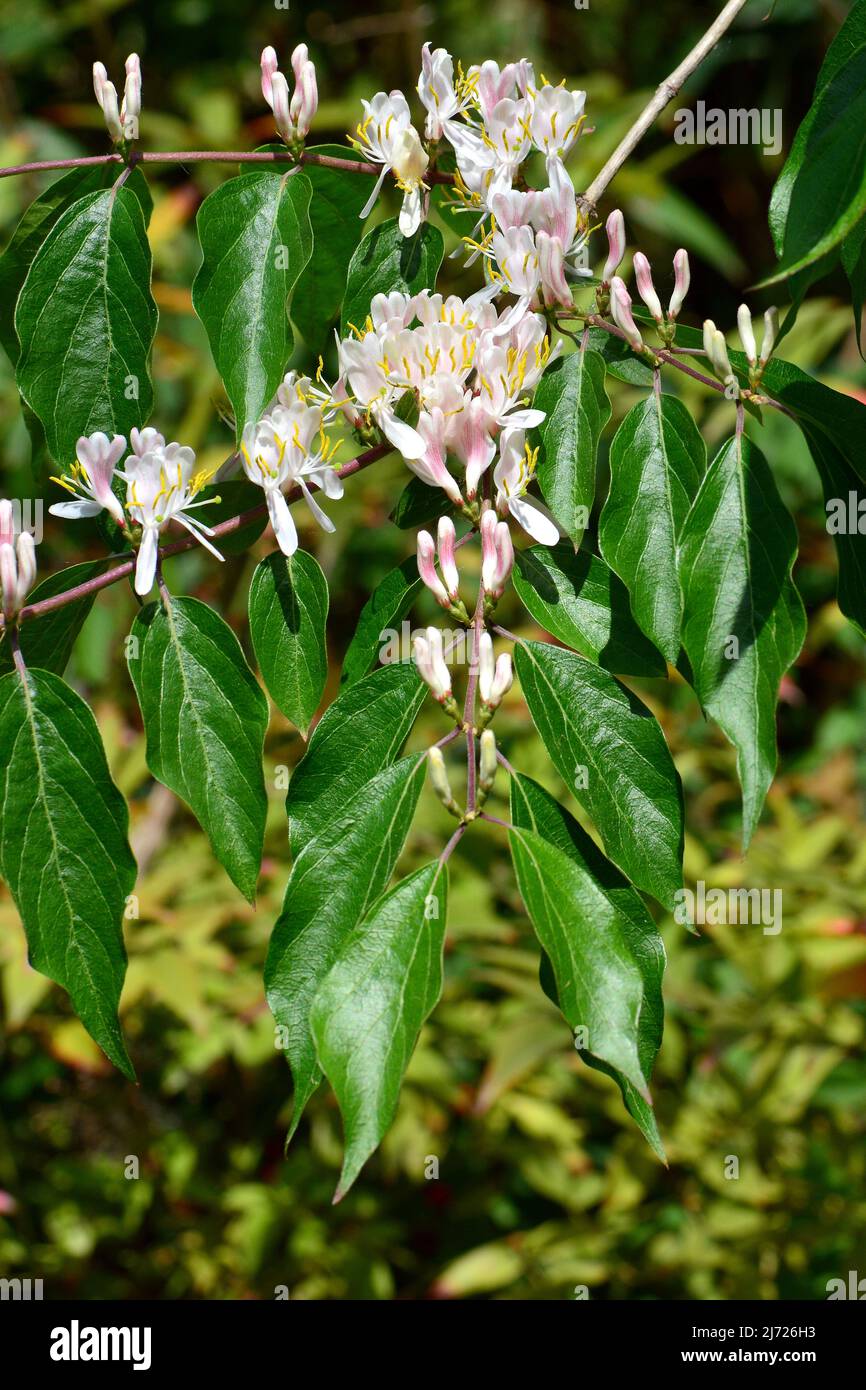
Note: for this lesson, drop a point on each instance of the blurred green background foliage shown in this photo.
(543, 1182)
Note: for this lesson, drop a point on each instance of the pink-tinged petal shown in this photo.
(406, 441)
(270, 63)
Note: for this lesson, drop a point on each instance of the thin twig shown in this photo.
(663, 95)
(453, 843)
(327, 161)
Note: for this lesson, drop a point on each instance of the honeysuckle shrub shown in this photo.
(496, 402)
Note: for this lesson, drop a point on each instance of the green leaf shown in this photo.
(853, 253)
(370, 1007)
(606, 910)
(337, 227)
(386, 607)
(256, 239)
(744, 622)
(827, 194)
(361, 733)
(657, 459)
(205, 719)
(288, 606)
(386, 262)
(419, 504)
(580, 601)
(572, 394)
(335, 878)
(839, 481)
(611, 753)
(619, 360)
(86, 322)
(38, 221)
(47, 642)
(598, 984)
(63, 848)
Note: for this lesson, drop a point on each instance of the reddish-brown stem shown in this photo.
(469, 706)
(222, 528)
(327, 161)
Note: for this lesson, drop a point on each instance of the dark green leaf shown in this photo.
(335, 878)
(337, 227)
(38, 221)
(47, 642)
(657, 459)
(606, 906)
(361, 733)
(744, 623)
(86, 321)
(572, 394)
(611, 753)
(387, 262)
(256, 239)
(63, 848)
(288, 606)
(419, 504)
(580, 601)
(369, 1009)
(619, 359)
(205, 719)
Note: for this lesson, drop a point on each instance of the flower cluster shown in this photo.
(293, 117)
(471, 372)
(161, 486)
(121, 122)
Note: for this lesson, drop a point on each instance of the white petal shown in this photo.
(282, 522)
(368, 206)
(197, 531)
(321, 517)
(145, 565)
(74, 510)
(410, 212)
(524, 419)
(533, 521)
(407, 441)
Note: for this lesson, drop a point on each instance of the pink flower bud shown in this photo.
(305, 99)
(682, 280)
(502, 680)
(25, 551)
(270, 63)
(615, 228)
(645, 287)
(747, 336)
(447, 537)
(486, 666)
(280, 105)
(427, 568)
(131, 108)
(620, 308)
(9, 582)
(488, 549)
(7, 523)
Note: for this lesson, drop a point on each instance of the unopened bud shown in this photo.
(106, 95)
(439, 779)
(487, 760)
(747, 336)
(620, 308)
(447, 538)
(615, 228)
(25, 552)
(771, 333)
(717, 352)
(426, 550)
(682, 280)
(131, 108)
(494, 680)
(430, 660)
(645, 287)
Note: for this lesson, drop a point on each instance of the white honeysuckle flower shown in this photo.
(89, 479)
(493, 84)
(489, 160)
(434, 427)
(366, 369)
(428, 651)
(557, 116)
(439, 97)
(560, 237)
(517, 270)
(512, 475)
(161, 487)
(387, 136)
(292, 116)
(141, 441)
(288, 446)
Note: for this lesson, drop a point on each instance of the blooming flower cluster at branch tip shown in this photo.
(122, 122)
(292, 117)
(17, 563)
(495, 675)
(470, 370)
(497, 555)
(288, 447)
